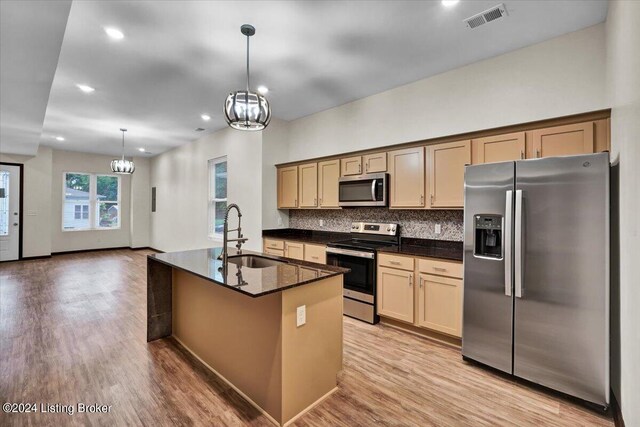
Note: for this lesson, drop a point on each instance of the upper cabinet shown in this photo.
(308, 185)
(288, 187)
(446, 173)
(499, 148)
(375, 163)
(351, 166)
(328, 176)
(563, 140)
(406, 178)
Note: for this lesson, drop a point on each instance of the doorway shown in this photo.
(10, 212)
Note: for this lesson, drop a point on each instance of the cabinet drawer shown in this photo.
(278, 252)
(394, 261)
(274, 244)
(315, 253)
(441, 268)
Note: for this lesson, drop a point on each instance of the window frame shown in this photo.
(211, 199)
(94, 223)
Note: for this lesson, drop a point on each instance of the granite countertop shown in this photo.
(305, 236)
(443, 249)
(254, 282)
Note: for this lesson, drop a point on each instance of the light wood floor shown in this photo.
(72, 329)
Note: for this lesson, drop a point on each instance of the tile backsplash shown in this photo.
(413, 223)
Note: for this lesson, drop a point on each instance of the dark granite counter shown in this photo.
(254, 282)
(442, 249)
(305, 236)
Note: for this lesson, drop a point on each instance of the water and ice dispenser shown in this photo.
(488, 236)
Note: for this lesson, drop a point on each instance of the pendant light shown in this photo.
(122, 166)
(243, 109)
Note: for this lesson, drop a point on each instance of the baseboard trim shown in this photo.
(28, 258)
(154, 249)
(77, 251)
(616, 411)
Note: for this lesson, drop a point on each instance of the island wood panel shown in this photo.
(498, 148)
(351, 166)
(308, 185)
(288, 187)
(162, 384)
(406, 178)
(446, 173)
(375, 163)
(328, 177)
(255, 345)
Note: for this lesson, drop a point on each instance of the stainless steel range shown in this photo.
(359, 255)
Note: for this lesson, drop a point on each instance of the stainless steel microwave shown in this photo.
(363, 190)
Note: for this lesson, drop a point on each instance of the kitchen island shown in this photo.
(243, 320)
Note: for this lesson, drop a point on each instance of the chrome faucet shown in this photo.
(239, 240)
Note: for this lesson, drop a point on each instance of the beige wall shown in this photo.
(274, 147)
(558, 77)
(140, 221)
(36, 223)
(181, 177)
(623, 83)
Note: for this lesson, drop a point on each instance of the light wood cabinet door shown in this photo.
(315, 253)
(395, 294)
(446, 173)
(375, 163)
(563, 140)
(294, 250)
(328, 176)
(351, 166)
(500, 148)
(288, 187)
(308, 185)
(440, 304)
(406, 178)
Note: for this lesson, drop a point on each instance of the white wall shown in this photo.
(623, 84)
(140, 220)
(181, 179)
(558, 77)
(61, 241)
(274, 146)
(36, 222)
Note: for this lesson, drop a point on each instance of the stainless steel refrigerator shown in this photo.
(536, 271)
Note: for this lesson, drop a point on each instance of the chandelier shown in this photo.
(243, 109)
(122, 166)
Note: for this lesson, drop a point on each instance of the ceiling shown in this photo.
(179, 59)
(31, 35)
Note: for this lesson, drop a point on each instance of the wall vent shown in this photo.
(199, 129)
(496, 12)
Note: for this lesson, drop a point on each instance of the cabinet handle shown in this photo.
(315, 201)
(537, 153)
(420, 282)
(295, 202)
(320, 200)
(360, 168)
(439, 269)
(422, 199)
(367, 166)
(521, 154)
(410, 280)
(394, 262)
(314, 257)
(432, 200)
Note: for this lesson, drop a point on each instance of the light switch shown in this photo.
(438, 229)
(301, 315)
(279, 222)
(322, 223)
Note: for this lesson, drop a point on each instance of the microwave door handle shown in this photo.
(373, 190)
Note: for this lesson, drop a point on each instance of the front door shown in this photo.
(9, 212)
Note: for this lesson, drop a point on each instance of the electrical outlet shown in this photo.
(438, 229)
(301, 315)
(279, 222)
(322, 223)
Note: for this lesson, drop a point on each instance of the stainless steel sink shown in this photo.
(253, 261)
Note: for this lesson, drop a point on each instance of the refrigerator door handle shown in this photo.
(518, 245)
(508, 219)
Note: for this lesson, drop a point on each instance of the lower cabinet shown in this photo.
(270, 251)
(315, 253)
(296, 250)
(424, 292)
(440, 304)
(395, 293)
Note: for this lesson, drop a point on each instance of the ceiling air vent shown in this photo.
(199, 129)
(496, 12)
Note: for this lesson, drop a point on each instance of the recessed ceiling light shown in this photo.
(449, 3)
(263, 89)
(59, 138)
(141, 150)
(85, 88)
(206, 117)
(114, 33)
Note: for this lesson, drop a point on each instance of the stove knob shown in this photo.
(388, 228)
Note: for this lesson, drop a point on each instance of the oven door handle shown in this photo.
(357, 254)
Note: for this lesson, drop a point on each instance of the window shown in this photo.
(90, 202)
(217, 195)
